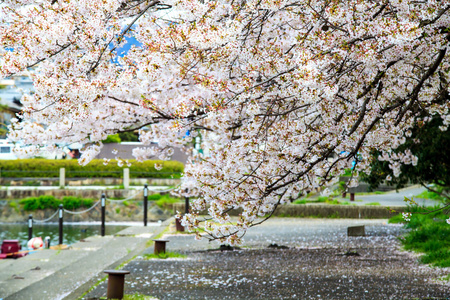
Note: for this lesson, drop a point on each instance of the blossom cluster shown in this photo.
(285, 95)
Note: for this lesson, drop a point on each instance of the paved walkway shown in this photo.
(320, 262)
(57, 274)
(396, 198)
(314, 266)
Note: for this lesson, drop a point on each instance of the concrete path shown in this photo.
(395, 198)
(66, 274)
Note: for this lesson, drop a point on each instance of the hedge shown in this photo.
(47, 201)
(50, 168)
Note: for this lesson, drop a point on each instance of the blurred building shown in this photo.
(124, 150)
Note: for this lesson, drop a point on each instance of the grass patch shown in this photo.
(138, 297)
(301, 201)
(164, 255)
(397, 219)
(322, 199)
(430, 195)
(373, 203)
(370, 193)
(166, 201)
(430, 234)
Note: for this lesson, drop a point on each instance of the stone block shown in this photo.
(356, 231)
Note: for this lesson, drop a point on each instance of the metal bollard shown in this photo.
(47, 242)
(186, 205)
(352, 196)
(116, 282)
(30, 227)
(61, 224)
(145, 203)
(102, 228)
(160, 246)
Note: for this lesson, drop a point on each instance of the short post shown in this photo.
(30, 227)
(47, 242)
(186, 205)
(352, 196)
(126, 178)
(62, 177)
(61, 224)
(160, 246)
(178, 225)
(116, 282)
(344, 194)
(102, 229)
(145, 204)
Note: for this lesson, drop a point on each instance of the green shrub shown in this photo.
(154, 197)
(41, 202)
(430, 234)
(128, 137)
(95, 169)
(71, 202)
(30, 203)
(32, 183)
(47, 201)
(114, 138)
(322, 199)
(166, 199)
(87, 202)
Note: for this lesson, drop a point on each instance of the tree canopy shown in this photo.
(430, 145)
(285, 94)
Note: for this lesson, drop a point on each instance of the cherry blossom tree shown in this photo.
(285, 94)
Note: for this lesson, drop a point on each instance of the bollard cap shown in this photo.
(117, 272)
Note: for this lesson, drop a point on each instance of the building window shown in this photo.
(5, 149)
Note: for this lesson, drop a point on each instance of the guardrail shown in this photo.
(61, 211)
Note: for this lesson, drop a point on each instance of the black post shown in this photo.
(186, 203)
(145, 204)
(30, 227)
(103, 214)
(61, 224)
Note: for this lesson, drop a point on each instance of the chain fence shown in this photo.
(103, 200)
(46, 220)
